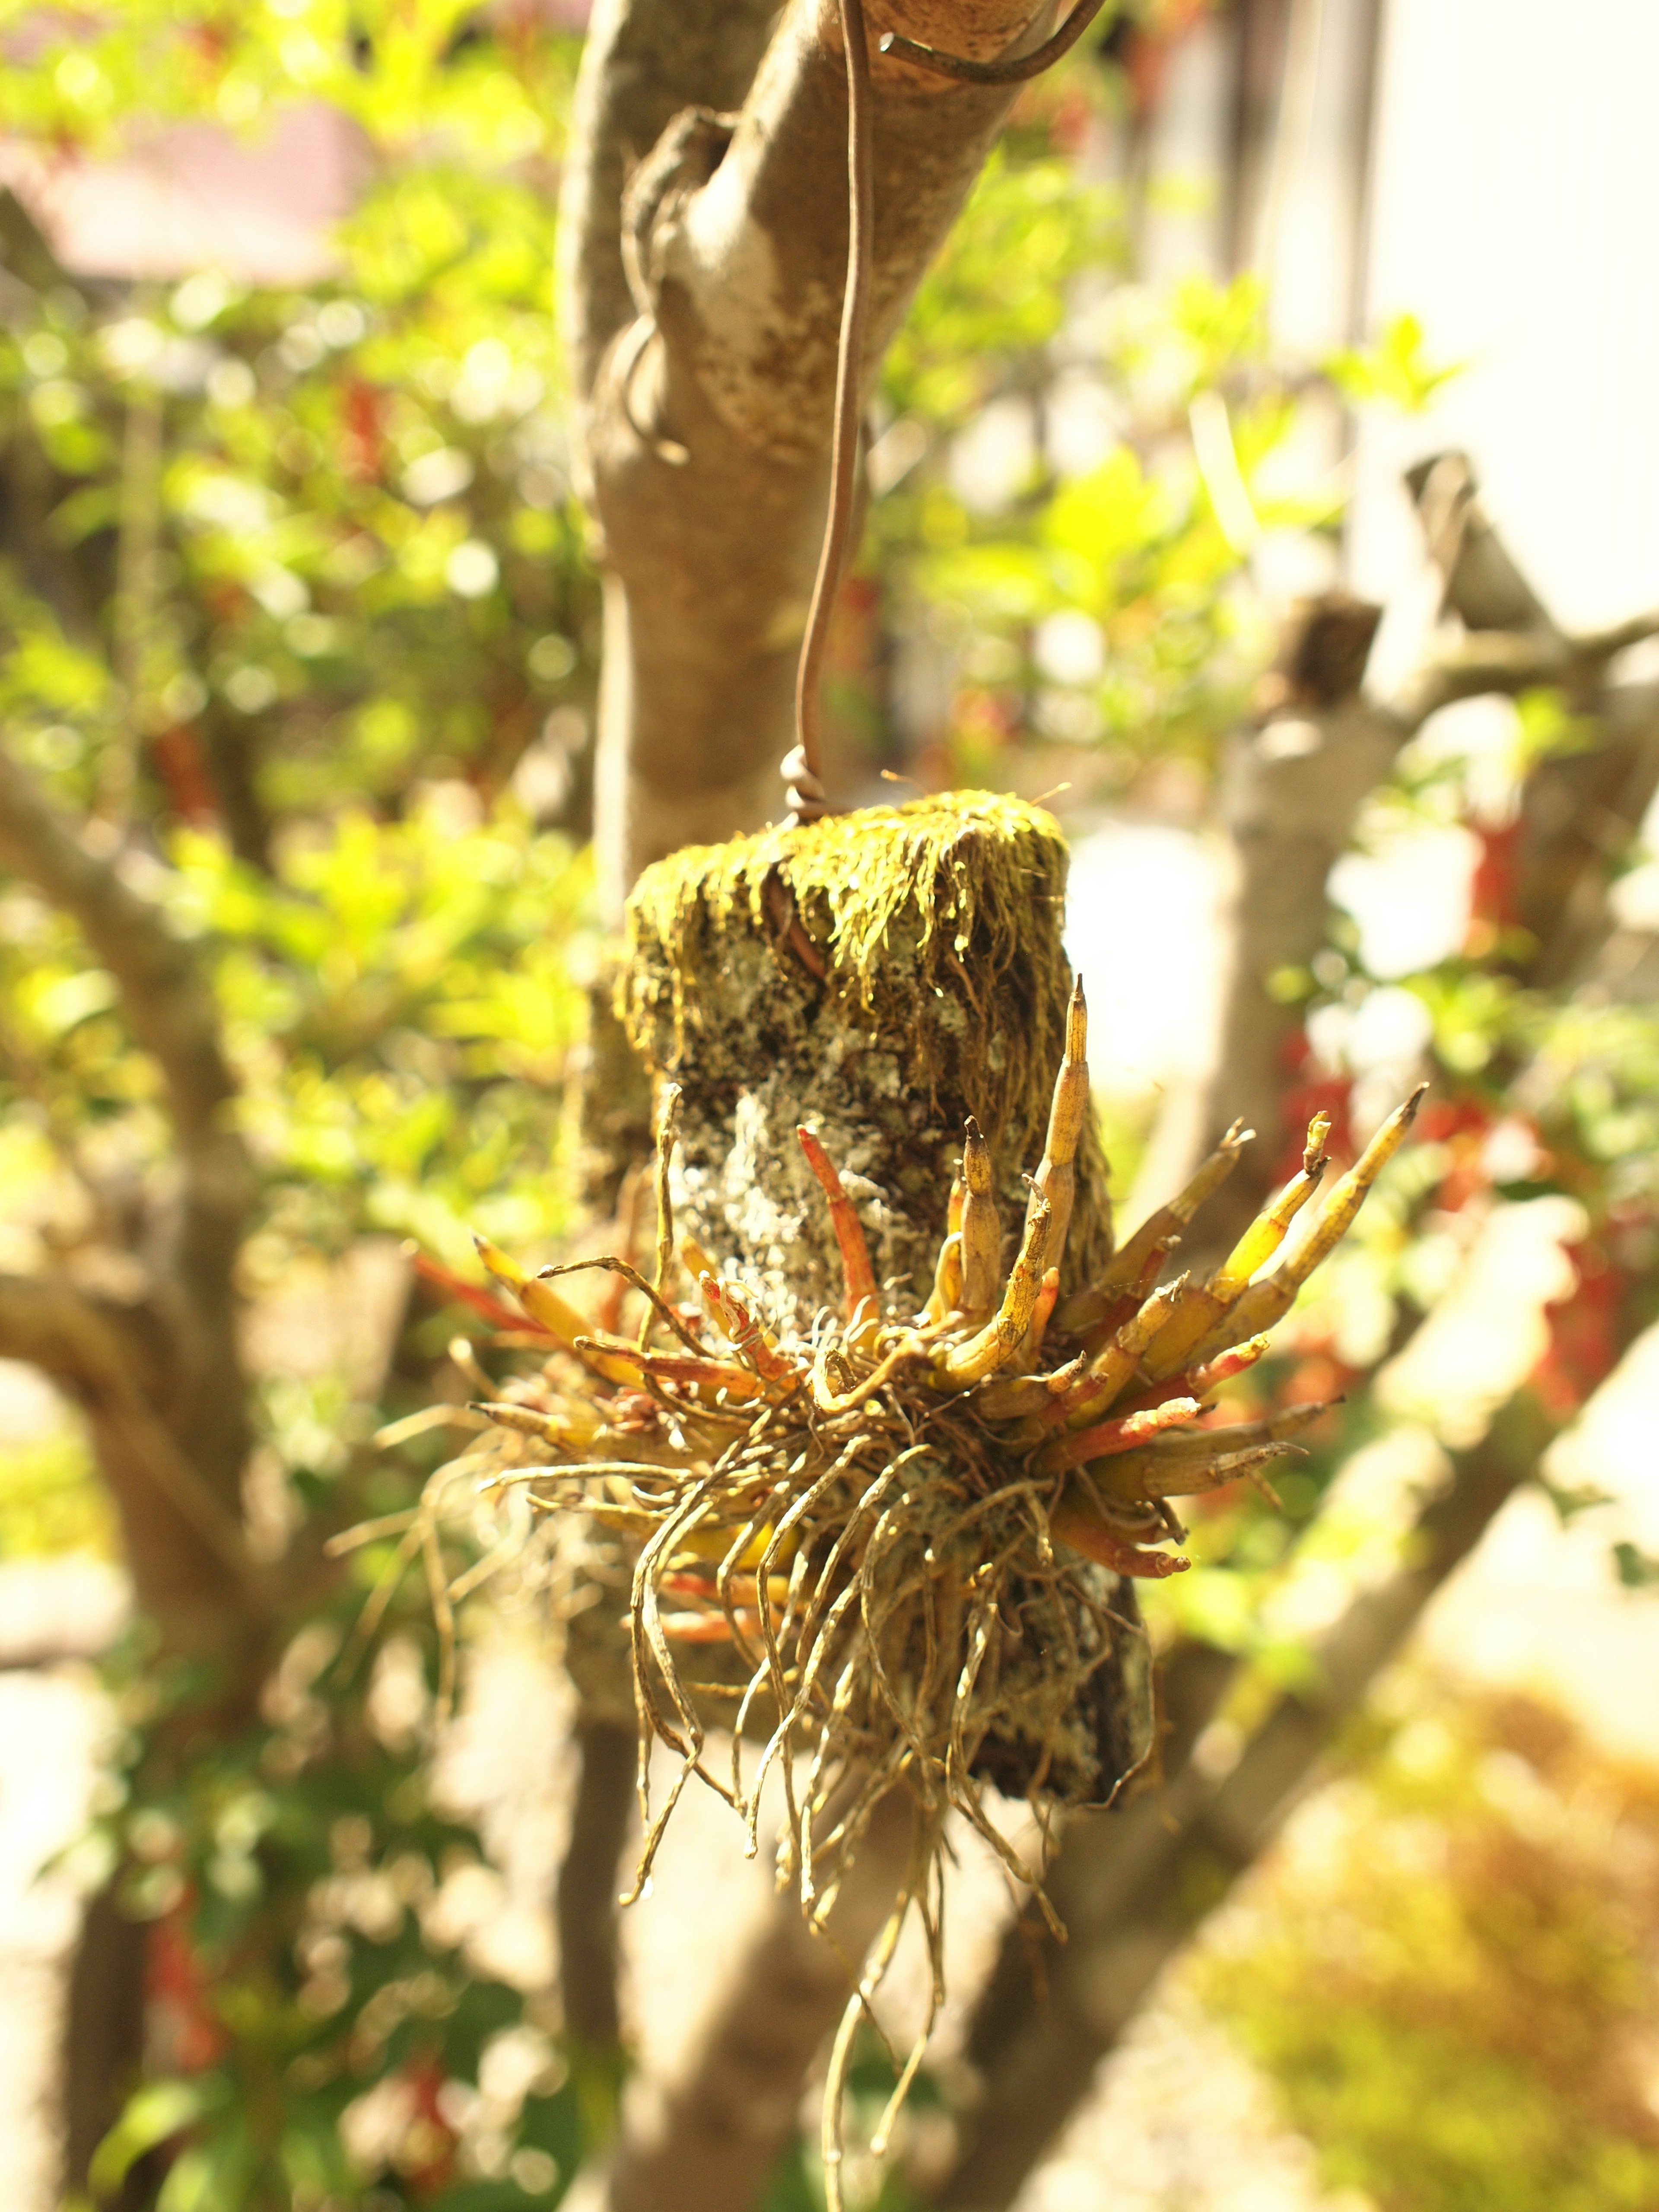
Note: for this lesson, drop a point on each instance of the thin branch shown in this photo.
(1131, 1888)
(45, 1322)
(169, 1008)
(1296, 784)
(600, 1821)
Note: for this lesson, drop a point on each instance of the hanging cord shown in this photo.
(803, 771)
(803, 768)
(1005, 72)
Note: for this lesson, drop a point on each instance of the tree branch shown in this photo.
(182, 1537)
(1131, 1888)
(43, 1322)
(169, 1008)
(1125, 1890)
(710, 370)
(1295, 785)
(600, 1821)
(643, 61)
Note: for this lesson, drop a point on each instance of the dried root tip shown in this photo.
(1265, 1303)
(1268, 1231)
(998, 1341)
(546, 1428)
(857, 1273)
(947, 1297)
(982, 1232)
(1077, 1522)
(1278, 1428)
(1337, 1214)
(1068, 1114)
(1107, 1439)
(1155, 1472)
(1068, 1110)
(1201, 1315)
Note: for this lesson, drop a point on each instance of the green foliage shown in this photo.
(354, 559)
(404, 74)
(1452, 2005)
(399, 1001)
(50, 1499)
(322, 2037)
(1022, 307)
(1395, 371)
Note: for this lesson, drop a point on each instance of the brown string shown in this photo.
(803, 771)
(803, 768)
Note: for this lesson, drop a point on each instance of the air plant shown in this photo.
(887, 1547)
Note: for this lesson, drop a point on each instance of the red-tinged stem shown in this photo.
(1118, 1435)
(858, 1275)
(748, 1337)
(669, 1367)
(1071, 1525)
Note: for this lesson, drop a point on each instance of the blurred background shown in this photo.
(1285, 391)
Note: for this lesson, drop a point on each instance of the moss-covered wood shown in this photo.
(879, 976)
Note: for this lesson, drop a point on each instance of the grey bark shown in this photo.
(704, 318)
(601, 1819)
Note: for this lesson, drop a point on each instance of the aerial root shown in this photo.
(883, 1547)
